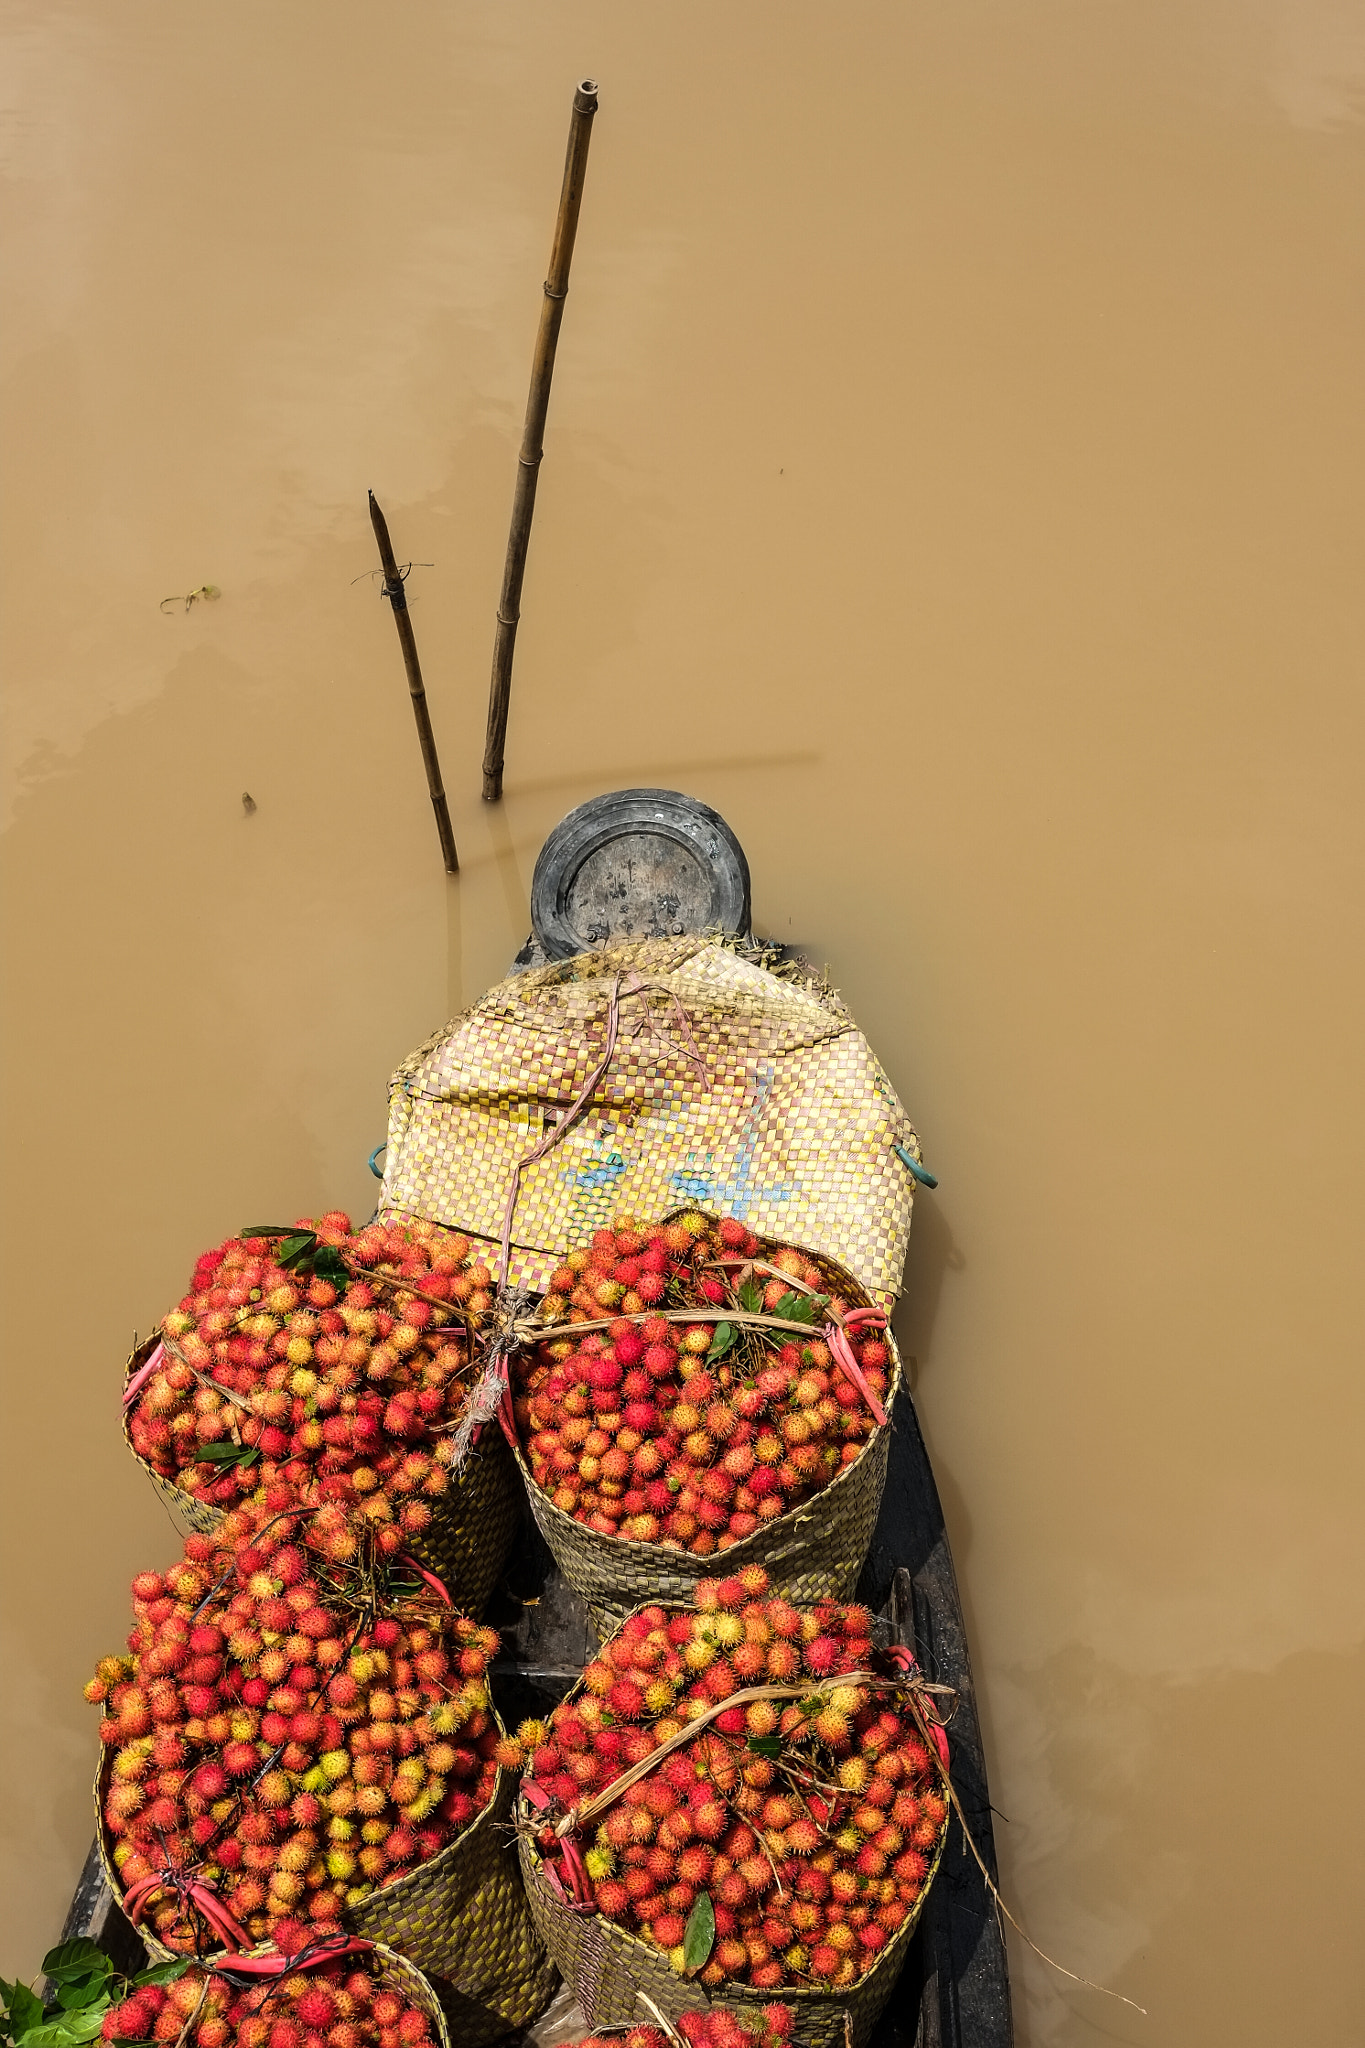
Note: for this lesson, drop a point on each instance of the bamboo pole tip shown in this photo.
(585, 99)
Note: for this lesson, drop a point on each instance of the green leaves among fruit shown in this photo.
(699, 1938)
(800, 1308)
(87, 1988)
(225, 1454)
(722, 1342)
(302, 1252)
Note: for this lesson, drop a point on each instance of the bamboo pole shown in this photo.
(397, 596)
(528, 463)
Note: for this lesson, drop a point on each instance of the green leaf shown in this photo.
(82, 1991)
(722, 1340)
(49, 2034)
(222, 1452)
(765, 1745)
(700, 1935)
(84, 2026)
(75, 1958)
(66, 2032)
(751, 1298)
(798, 1308)
(328, 1264)
(295, 1249)
(24, 2007)
(268, 1230)
(165, 1973)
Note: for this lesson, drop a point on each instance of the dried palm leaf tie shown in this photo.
(157, 1357)
(511, 1327)
(520, 1329)
(144, 1372)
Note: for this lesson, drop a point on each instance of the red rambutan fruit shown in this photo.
(317, 2008)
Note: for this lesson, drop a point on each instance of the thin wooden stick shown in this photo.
(528, 463)
(397, 596)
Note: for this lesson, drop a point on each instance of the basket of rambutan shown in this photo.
(711, 2028)
(302, 1738)
(700, 1390)
(322, 1995)
(339, 1362)
(746, 1796)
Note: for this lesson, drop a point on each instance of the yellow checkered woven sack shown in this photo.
(747, 1092)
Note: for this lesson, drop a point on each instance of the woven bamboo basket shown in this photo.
(462, 1918)
(472, 1525)
(606, 1967)
(813, 1552)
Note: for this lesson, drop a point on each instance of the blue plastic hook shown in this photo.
(914, 1169)
(378, 1171)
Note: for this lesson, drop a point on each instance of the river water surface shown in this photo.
(954, 474)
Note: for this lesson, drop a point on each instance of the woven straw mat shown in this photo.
(462, 1918)
(793, 1129)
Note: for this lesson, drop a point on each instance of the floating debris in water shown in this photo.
(207, 592)
(248, 802)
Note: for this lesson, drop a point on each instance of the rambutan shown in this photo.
(317, 2008)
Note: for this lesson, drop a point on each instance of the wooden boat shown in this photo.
(641, 863)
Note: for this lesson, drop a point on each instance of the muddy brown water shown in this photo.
(954, 475)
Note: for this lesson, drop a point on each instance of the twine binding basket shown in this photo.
(472, 1526)
(813, 1552)
(462, 1918)
(606, 1967)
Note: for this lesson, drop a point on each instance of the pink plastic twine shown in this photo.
(842, 1351)
(325, 1950)
(928, 1716)
(422, 1573)
(143, 1374)
(190, 1891)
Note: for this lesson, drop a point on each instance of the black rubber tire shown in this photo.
(652, 813)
